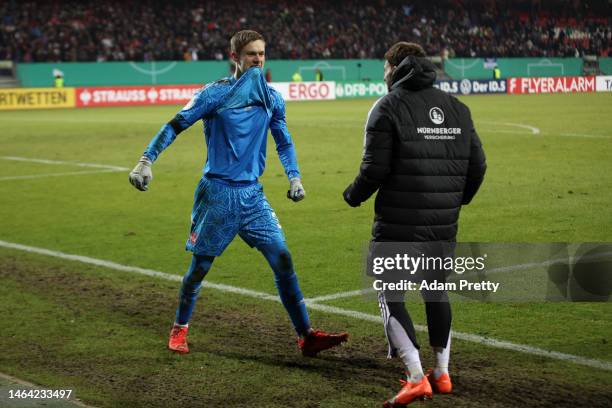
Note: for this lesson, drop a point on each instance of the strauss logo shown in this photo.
(85, 97)
(152, 95)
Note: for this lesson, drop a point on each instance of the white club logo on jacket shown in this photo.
(436, 115)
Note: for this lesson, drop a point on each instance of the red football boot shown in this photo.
(318, 340)
(442, 385)
(178, 339)
(410, 391)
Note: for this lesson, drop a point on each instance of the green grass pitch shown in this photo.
(102, 332)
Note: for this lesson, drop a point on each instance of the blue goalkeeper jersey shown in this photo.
(237, 115)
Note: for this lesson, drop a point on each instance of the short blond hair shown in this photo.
(242, 38)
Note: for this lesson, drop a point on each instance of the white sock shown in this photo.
(181, 325)
(406, 350)
(442, 358)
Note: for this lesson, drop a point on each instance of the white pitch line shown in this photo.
(109, 121)
(135, 269)
(474, 338)
(73, 173)
(534, 130)
(78, 164)
(582, 135)
(518, 132)
(570, 260)
(512, 132)
(348, 124)
(339, 295)
(605, 365)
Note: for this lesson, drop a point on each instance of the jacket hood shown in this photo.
(413, 73)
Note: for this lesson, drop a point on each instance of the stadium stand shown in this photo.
(129, 30)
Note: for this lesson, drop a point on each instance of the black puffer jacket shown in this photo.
(423, 156)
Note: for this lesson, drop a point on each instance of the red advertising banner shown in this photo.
(551, 85)
(135, 95)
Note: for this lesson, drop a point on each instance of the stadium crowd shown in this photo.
(132, 30)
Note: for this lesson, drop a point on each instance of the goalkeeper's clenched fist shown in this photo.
(141, 176)
(296, 190)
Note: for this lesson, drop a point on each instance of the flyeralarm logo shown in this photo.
(552, 85)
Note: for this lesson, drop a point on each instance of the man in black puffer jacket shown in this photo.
(425, 158)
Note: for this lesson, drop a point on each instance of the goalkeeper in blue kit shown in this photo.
(237, 112)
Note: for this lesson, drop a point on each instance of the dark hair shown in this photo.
(242, 38)
(398, 51)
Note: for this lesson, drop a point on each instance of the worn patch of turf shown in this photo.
(104, 334)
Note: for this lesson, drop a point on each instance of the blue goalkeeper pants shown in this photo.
(278, 256)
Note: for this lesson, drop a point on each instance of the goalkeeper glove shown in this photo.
(141, 176)
(296, 190)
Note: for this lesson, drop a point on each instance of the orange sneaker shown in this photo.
(442, 385)
(410, 391)
(178, 339)
(318, 340)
